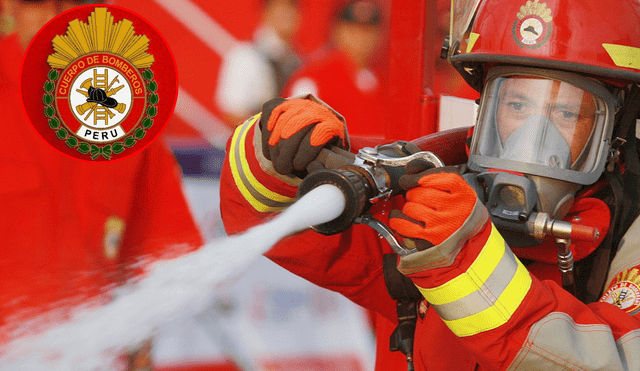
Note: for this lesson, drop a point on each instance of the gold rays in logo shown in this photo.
(100, 35)
(629, 276)
(535, 8)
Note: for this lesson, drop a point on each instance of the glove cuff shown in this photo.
(266, 166)
(444, 254)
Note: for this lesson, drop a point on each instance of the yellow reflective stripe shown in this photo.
(502, 303)
(624, 56)
(498, 314)
(474, 277)
(240, 165)
(473, 37)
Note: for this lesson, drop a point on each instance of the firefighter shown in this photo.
(551, 182)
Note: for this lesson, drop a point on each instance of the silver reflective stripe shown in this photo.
(556, 342)
(629, 350)
(445, 253)
(487, 295)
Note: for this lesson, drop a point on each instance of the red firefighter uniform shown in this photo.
(530, 322)
(72, 229)
(356, 93)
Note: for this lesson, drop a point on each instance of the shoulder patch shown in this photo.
(624, 291)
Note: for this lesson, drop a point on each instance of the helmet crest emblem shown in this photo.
(532, 27)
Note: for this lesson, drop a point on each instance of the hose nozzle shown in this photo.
(356, 193)
(364, 179)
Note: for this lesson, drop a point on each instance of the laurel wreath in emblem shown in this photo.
(93, 149)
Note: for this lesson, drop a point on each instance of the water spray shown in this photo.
(94, 338)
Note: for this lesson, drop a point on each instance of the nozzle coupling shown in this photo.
(356, 189)
(365, 179)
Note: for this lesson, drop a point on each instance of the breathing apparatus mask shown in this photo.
(541, 135)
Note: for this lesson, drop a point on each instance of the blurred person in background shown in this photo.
(254, 72)
(71, 230)
(341, 74)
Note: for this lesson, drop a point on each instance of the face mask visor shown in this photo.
(546, 123)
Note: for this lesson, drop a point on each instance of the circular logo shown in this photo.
(624, 291)
(98, 83)
(624, 295)
(531, 32)
(533, 26)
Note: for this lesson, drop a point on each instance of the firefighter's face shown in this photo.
(570, 109)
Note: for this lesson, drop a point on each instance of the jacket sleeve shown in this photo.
(251, 192)
(487, 298)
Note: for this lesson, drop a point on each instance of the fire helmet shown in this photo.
(554, 77)
(588, 37)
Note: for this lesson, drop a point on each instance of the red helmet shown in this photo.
(557, 79)
(588, 37)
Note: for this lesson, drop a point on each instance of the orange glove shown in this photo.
(439, 201)
(295, 130)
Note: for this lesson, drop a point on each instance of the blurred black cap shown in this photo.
(361, 12)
